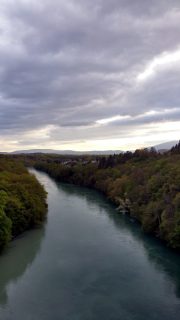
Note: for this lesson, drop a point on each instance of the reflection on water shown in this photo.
(162, 257)
(17, 258)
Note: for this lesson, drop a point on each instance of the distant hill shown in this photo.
(160, 147)
(166, 145)
(67, 152)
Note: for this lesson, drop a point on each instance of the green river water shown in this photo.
(87, 263)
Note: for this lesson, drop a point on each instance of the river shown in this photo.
(87, 263)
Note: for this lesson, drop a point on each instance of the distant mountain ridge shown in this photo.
(159, 147)
(67, 152)
(166, 145)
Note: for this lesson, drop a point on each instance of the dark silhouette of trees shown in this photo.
(176, 149)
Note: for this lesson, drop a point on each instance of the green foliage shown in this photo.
(5, 222)
(22, 200)
(145, 183)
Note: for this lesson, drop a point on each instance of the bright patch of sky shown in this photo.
(166, 59)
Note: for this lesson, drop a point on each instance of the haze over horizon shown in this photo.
(83, 75)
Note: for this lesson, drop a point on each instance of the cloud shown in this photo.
(72, 66)
(165, 60)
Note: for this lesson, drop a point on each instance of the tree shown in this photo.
(5, 222)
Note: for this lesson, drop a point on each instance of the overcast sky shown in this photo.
(86, 75)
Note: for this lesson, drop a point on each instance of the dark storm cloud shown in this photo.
(71, 63)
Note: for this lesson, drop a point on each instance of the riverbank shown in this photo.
(22, 200)
(145, 185)
(87, 262)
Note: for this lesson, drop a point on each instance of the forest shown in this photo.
(22, 200)
(144, 184)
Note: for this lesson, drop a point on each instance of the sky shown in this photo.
(89, 75)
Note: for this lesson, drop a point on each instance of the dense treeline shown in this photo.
(144, 183)
(22, 200)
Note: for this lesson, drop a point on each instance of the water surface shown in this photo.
(87, 263)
